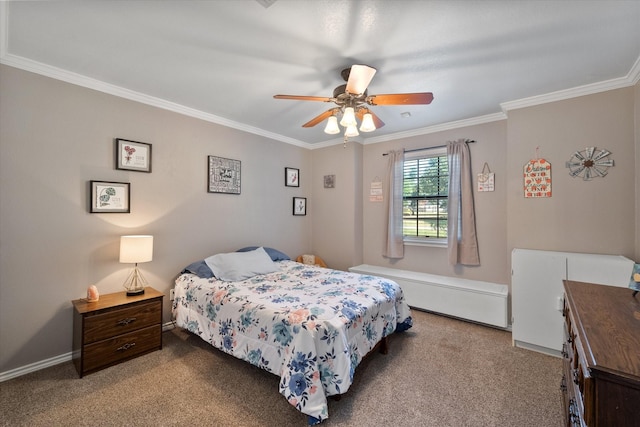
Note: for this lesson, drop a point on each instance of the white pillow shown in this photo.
(237, 266)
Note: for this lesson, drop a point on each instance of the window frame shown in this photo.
(418, 240)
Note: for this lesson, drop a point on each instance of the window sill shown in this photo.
(433, 243)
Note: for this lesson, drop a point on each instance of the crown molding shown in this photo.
(438, 128)
(90, 83)
(630, 79)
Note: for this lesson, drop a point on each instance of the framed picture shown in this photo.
(133, 156)
(292, 177)
(329, 181)
(109, 197)
(224, 175)
(299, 205)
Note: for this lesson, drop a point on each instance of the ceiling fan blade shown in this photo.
(359, 79)
(401, 99)
(303, 98)
(319, 118)
(376, 120)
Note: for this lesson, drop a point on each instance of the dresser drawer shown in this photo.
(121, 321)
(108, 352)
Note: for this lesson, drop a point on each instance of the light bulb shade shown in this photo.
(367, 123)
(135, 249)
(332, 126)
(351, 131)
(348, 118)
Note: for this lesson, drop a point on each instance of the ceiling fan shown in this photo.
(352, 101)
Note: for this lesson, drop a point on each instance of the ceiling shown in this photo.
(224, 60)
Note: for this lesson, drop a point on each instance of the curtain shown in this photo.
(394, 246)
(462, 241)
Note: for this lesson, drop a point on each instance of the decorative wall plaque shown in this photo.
(537, 178)
(224, 175)
(589, 163)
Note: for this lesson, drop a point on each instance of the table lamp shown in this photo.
(133, 250)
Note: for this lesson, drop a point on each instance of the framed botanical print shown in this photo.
(224, 175)
(109, 197)
(292, 177)
(300, 206)
(133, 156)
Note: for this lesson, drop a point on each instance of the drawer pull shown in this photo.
(125, 322)
(126, 347)
(564, 351)
(563, 384)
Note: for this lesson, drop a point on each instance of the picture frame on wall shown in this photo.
(300, 206)
(110, 197)
(133, 155)
(329, 181)
(292, 177)
(225, 175)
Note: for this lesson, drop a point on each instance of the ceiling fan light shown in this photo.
(352, 130)
(367, 123)
(348, 118)
(332, 126)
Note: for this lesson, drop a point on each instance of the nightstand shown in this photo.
(115, 328)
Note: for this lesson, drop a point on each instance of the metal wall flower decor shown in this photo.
(589, 163)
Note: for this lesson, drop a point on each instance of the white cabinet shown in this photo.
(537, 291)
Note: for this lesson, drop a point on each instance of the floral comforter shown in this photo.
(311, 326)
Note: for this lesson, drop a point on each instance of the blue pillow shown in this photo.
(275, 254)
(200, 269)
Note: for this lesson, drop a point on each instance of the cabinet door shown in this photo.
(536, 286)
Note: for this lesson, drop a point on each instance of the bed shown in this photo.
(309, 325)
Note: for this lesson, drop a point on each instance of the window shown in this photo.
(425, 196)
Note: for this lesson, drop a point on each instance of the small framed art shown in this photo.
(110, 197)
(292, 177)
(133, 156)
(329, 181)
(224, 175)
(300, 206)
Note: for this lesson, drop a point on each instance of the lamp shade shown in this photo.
(351, 131)
(332, 126)
(349, 117)
(367, 123)
(135, 249)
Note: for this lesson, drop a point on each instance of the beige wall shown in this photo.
(337, 228)
(596, 216)
(54, 138)
(491, 215)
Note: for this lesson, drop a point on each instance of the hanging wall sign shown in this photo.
(537, 178)
(375, 193)
(486, 179)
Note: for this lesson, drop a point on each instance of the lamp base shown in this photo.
(135, 292)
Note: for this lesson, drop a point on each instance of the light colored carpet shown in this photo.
(442, 372)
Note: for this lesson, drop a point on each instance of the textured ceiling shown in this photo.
(224, 60)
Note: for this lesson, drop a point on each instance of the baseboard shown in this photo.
(56, 360)
(539, 349)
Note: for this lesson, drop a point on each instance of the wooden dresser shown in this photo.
(115, 328)
(601, 365)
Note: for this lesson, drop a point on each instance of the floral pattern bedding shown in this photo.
(309, 325)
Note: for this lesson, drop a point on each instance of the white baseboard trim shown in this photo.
(52, 361)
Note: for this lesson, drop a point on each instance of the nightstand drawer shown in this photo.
(108, 352)
(106, 325)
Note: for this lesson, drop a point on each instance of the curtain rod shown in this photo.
(468, 141)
